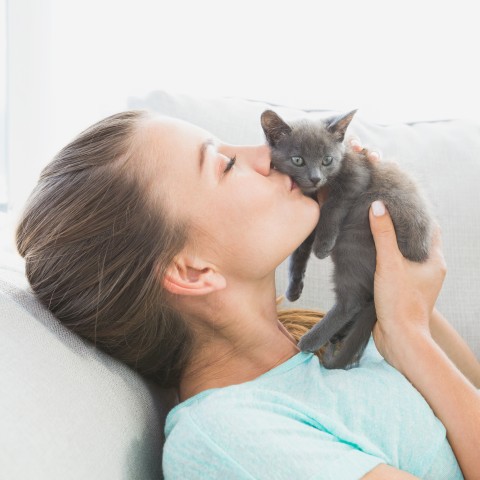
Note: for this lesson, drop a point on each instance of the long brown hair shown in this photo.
(299, 321)
(95, 250)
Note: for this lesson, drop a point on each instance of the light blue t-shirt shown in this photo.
(302, 421)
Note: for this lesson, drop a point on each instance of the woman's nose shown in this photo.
(258, 158)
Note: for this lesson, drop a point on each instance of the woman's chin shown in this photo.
(311, 222)
(313, 215)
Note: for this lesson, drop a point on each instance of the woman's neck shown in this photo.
(221, 363)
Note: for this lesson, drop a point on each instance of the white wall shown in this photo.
(3, 99)
(73, 62)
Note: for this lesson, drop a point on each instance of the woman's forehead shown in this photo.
(170, 148)
(171, 134)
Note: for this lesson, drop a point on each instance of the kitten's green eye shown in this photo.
(327, 160)
(298, 161)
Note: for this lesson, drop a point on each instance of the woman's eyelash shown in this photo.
(230, 164)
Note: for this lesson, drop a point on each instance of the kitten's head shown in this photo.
(309, 151)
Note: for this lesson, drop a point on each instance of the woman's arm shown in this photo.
(386, 472)
(405, 295)
(454, 400)
(455, 347)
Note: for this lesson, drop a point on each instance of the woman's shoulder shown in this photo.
(245, 400)
(300, 379)
(293, 386)
(372, 406)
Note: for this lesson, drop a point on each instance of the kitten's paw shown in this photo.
(309, 343)
(294, 291)
(323, 249)
(329, 355)
(333, 358)
(329, 359)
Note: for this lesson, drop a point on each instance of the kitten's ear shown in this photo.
(338, 125)
(273, 126)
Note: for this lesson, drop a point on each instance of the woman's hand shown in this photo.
(405, 292)
(405, 295)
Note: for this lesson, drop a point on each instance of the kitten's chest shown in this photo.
(355, 219)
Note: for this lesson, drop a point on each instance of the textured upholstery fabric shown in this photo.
(68, 410)
(443, 155)
(71, 412)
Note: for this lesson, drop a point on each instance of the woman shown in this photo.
(159, 243)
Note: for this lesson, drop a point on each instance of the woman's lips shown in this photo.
(293, 184)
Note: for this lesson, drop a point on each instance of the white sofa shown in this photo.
(70, 411)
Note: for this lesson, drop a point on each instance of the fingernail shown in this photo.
(378, 208)
(355, 143)
(375, 155)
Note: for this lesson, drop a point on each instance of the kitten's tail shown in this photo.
(354, 342)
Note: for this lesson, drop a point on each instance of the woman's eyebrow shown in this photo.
(203, 148)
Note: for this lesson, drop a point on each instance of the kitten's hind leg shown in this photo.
(335, 319)
(349, 351)
(335, 343)
(297, 268)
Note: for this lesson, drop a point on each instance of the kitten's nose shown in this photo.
(314, 180)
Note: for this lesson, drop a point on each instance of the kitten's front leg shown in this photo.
(322, 331)
(327, 230)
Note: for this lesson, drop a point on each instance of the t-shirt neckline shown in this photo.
(288, 364)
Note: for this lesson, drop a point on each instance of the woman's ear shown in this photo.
(189, 275)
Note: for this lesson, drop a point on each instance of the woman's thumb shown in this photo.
(383, 231)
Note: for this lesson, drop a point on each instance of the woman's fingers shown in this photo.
(356, 146)
(373, 156)
(383, 233)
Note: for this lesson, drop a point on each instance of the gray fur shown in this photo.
(343, 231)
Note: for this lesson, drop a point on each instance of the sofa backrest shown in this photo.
(69, 411)
(444, 156)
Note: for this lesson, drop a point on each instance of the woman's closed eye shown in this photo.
(230, 164)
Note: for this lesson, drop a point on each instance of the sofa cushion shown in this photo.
(443, 155)
(69, 410)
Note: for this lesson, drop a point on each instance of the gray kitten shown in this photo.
(312, 152)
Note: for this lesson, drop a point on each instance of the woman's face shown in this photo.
(246, 218)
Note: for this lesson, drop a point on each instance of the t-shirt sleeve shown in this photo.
(259, 445)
